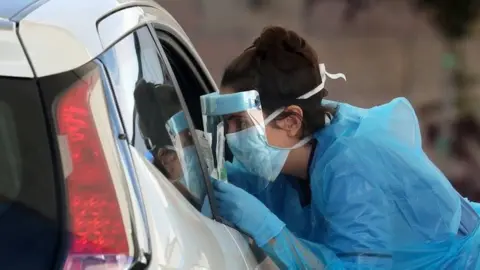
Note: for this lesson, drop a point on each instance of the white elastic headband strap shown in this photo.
(169, 147)
(323, 74)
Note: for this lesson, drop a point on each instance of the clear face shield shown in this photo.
(180, 160)
(238, 118)
(213, 129)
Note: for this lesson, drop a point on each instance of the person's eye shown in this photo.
(240, 124)
(243, 124)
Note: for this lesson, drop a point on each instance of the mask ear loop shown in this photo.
(301, 143)
(273, 115)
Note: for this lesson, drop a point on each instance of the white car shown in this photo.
(77, 191)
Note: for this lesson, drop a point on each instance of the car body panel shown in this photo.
(208, 246)
(13, 61)
(57, 43)
(11, 8)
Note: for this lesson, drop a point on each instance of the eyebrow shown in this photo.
(231, 116)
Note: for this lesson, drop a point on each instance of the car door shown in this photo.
(148, 98)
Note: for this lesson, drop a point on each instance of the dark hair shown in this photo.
(281, 66)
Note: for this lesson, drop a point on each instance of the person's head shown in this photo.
(281, 66)
(166, 160)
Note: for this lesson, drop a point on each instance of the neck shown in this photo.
(297, 162)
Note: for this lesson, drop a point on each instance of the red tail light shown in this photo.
(97, 224)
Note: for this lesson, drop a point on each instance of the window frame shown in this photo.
(183, 53)
(191, 127)
(180, 97)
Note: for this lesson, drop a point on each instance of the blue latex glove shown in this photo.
(149, 156)
(246, 212)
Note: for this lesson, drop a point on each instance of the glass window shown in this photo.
(29, 224)
(152, 114)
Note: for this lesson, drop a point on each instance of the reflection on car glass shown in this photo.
(166, 129)
(10, 162)
(147, 101)
(187, 157)
(155, 104)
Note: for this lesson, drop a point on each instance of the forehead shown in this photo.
(227, 90)
(235, 115)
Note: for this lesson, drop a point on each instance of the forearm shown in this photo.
(290, 253)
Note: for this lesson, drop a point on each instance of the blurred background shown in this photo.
(425, 50)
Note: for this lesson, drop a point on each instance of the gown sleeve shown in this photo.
(356, 210)
(379, 202)
(290, 252)
(378, 195)
(357, 228)
(476, 207)
(351, 186)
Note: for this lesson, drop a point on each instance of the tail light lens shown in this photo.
(100, 239)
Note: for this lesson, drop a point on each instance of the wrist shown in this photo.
(268, 229)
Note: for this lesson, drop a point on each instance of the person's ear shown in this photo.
(292, 124)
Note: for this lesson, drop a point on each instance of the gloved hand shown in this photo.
(246, 212)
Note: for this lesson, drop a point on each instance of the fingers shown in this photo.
(228, 212)
(222, 197)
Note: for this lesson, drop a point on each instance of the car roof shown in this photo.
(61, 35)
(9, 9)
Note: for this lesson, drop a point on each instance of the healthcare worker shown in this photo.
(362, 193)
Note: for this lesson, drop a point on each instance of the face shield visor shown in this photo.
(238, 118)
(180, 160)
(213, 130)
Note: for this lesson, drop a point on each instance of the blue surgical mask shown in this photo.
(251, 149)
(192, 177)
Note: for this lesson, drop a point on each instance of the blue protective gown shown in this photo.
(378, 202)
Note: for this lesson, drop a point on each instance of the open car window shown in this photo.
(190, 76)
(193, 83)
(152, 113)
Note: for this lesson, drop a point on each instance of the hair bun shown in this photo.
(275, 37)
